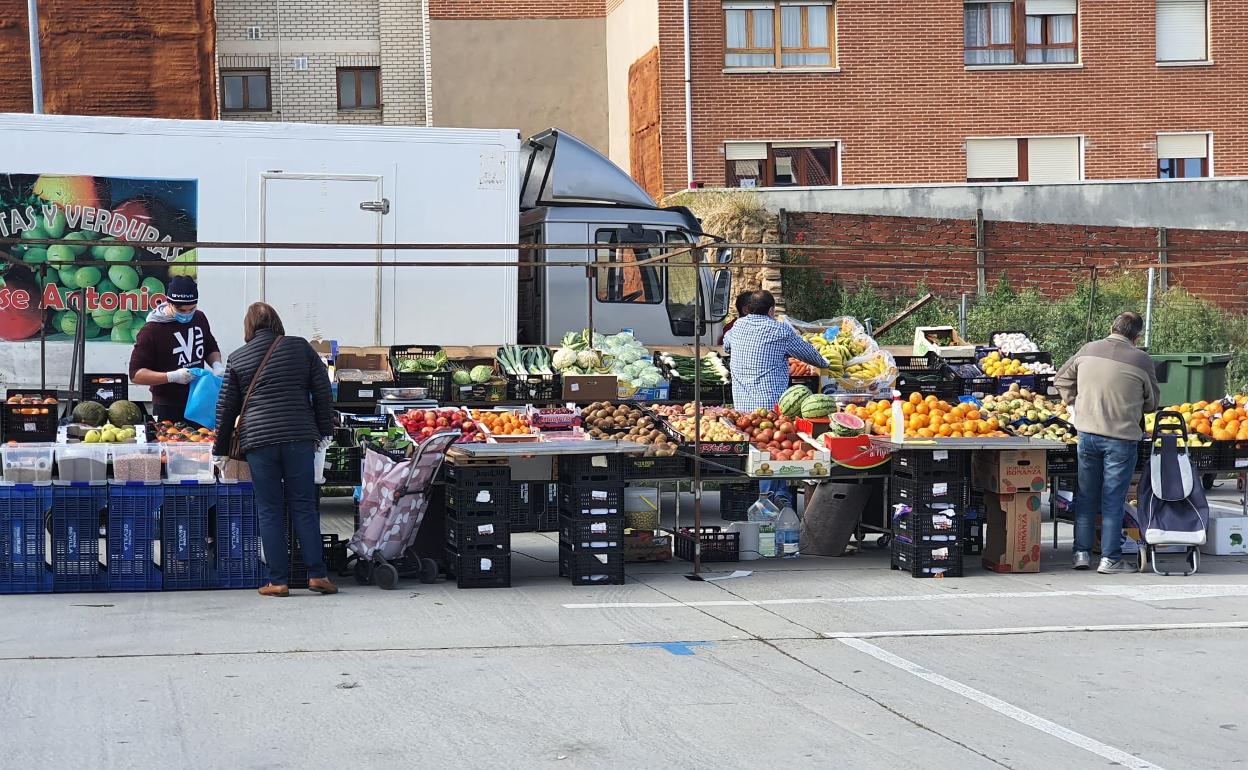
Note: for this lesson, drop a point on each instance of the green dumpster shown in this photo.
(1189, 377)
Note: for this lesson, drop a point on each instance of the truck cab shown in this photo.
(571, 194)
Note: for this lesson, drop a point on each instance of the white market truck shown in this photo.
(144, 182)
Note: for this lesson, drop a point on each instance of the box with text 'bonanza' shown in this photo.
(1007, 471)
(1013, 540)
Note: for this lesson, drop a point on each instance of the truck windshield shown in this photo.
(682, 287)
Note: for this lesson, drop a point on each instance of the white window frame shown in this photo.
(768, 145)
(1208, 136)
(1205, 62)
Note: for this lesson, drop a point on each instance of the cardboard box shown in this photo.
(1013, 540)
(364, 359)
(1009, 471)
(942, 340)
(761, 465)
(1227, 535)
(583, 388)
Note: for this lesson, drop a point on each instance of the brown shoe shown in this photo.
(322, 586)
(272, 589)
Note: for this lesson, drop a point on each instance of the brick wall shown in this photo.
(517, 9)
(307, 96)
(143, 58)
(324, 19)
(952, 273)
(402, 31)
(903, 103)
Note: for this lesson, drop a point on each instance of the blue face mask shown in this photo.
(184, 317)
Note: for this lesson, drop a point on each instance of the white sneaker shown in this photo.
(1122, 566)
(1083, 560)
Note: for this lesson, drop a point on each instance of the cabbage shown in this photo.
(629, 355)
(650, 379)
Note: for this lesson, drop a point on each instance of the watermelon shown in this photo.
(847, 424)
(818, 405)
(790, 403)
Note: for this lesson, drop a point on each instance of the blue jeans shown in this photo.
(1105, 469)
(284, 479)
(781, 492)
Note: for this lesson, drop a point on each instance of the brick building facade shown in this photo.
(323, 61)
(108, 58)
(885, 93)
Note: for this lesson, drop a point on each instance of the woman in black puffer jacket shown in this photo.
(287, 414)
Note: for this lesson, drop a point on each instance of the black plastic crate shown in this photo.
(106, 388)
(651, 467)
(466, 535)
(597, 468)
(978, 386)
(29, 423)
(1063, 462)
(592, 568)
(534, 387)
(600, 533)
(927, 560)
(943, 385)
(681, 389)
(534, 506)
(479, 569)
(477, 475)
(926, 363)
(1023, 381)
(596, 500)
(717, 465)
(937, 465)
(717, 545)
(361, 391)
(810, 382)
(929, 495)
(478, 501)
(334, 553)
(929, 524)
(735, 500)
(342, 465)
(1034, 357)
(972, 537)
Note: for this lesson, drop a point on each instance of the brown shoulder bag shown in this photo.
(236, 451)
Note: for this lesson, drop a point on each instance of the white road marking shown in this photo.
(1020, 630)
(1005, 709)
(1156, 592)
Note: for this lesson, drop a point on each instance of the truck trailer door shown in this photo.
(342, 303)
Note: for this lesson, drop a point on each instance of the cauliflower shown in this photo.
(564, 358)
(588, 359)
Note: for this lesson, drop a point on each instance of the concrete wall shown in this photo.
(528, 74)
(1220, 204)
(632, 30)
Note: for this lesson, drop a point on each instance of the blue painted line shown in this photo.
(675, 648)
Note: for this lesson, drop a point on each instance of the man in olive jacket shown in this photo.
(1110, 385)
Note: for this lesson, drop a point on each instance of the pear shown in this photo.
(92, 437)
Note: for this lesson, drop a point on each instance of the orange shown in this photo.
(973, 414)
(907, 409)
(945, 430)
(1222, 435)
(926, 433)
(930, 399)
(1232, 426)
(922, 409)
(916, 398)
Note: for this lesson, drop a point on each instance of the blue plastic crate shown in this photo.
(187, 548)
(238, 538)
(79, 523)
(133, 532)
(24, 510)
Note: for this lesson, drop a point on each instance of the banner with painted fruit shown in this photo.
(135, 215)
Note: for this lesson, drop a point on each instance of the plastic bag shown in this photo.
(201, 404)
(884, 373)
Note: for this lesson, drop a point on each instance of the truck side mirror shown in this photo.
(723, 255)
(721, 297)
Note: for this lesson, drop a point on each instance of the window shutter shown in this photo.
(1053, 159)
(991, 158)
(748, 5)
(745, 150)
(1182, 145)
(1051, 7)
(1181, 30)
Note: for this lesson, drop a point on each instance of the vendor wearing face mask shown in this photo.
(175, 339)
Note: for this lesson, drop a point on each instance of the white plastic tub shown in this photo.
(137, 463)
(27, 463)
(82, 463)
(188, 462)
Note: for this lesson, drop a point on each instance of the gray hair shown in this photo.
(1129, 325)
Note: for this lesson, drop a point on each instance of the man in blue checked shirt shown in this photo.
(760, 348)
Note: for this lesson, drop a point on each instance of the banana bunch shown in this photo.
(874, 368)
(835, 353)
(854, 345)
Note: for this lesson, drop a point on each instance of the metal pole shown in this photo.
(962, 317)
(1163, 256)
(1087, 335)
(1148, 308)
(697, 416)
(36, 63)
(43, 333)
(981, 257)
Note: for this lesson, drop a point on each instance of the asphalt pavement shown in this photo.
(813, 662)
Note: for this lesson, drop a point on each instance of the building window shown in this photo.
(1183, 156)
(781, 164)
(1182, 30)
(785, 34)
(359, 88)
(245, 90)
(1030, 159)
(1020, 32)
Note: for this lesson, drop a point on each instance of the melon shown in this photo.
(125, 413)
(90, 413)
(844, 424)
(817, 405)
(790, 403)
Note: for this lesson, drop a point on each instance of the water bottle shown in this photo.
(765, 513)
(788, 533)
